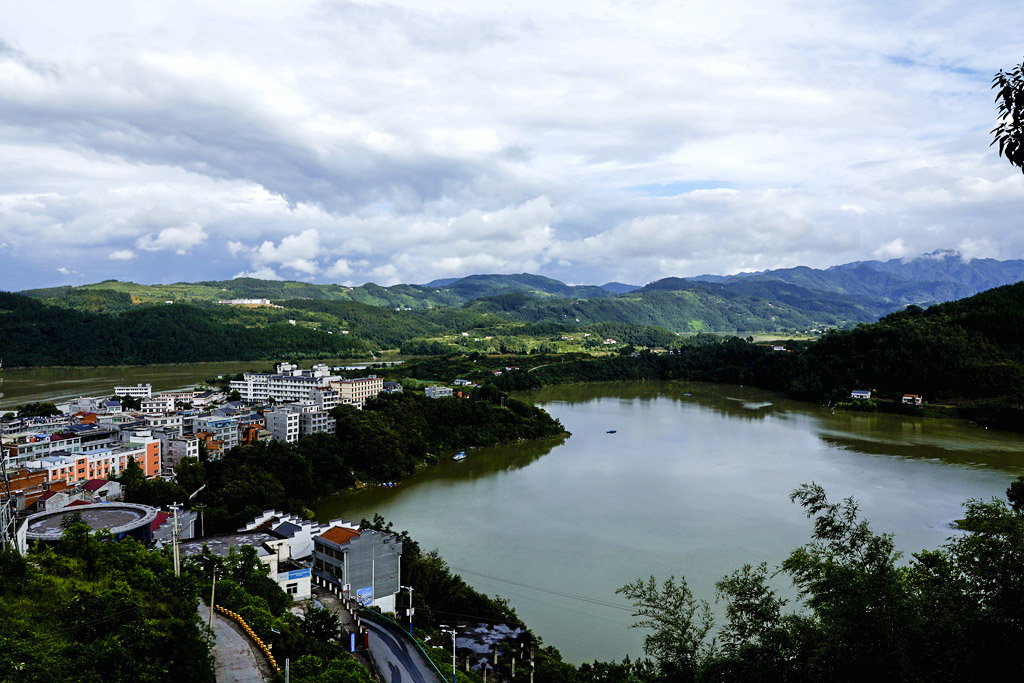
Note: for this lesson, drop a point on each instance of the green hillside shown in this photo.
(926, 279)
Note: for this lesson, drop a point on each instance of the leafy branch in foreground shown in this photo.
(952, 614)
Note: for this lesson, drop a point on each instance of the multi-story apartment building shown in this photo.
(283, 422)
(175, 448)
(223, 429)
(102, 463)
(166, 421)
(316, 422)
(358, 391)
(157, 404)
(359, 563)
(258, 387)
(437, 392)
(138, 391)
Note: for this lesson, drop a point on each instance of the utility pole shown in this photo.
(213, 590)
(409, 588)
(452, 632)
(175, 539)
(202, 518)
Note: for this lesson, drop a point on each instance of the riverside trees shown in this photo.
(953, 614)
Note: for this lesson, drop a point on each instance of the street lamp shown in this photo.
(452, 632)
(409, 588)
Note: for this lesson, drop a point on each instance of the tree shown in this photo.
(678, 622)
(1009, 132)
(1015, 494)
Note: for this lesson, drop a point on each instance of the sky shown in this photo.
(593, 141)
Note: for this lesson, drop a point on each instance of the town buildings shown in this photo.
(362, 564)
(437, 392)
(138, 391)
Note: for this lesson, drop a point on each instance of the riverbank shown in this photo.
(695, 485)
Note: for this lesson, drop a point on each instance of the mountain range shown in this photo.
(436, 315)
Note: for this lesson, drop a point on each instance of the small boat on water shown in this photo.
(461, 455)
(611, 431)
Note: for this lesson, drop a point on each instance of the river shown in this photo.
(691, 486)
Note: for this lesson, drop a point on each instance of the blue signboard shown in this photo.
(298, 574)
(364, 596)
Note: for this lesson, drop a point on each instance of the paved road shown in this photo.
(397, 660)
(234, 659)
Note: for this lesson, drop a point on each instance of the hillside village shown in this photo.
(70, 462)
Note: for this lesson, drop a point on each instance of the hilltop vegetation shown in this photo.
(968, 353)
(115, 322)
(88, 610)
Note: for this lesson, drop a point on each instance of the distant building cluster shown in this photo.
(96, 437)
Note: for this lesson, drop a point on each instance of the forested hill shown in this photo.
(929, 278)
(968, 354)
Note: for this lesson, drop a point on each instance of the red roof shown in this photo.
(47, 496)
(94, 484)
(159, 520)
(339, 535)
(79, 502)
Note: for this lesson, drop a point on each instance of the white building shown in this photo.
(437, 392)
(244, 302)
(283, 422)
(168, 421)
(138, 391)
(316, 422)
(157, 404)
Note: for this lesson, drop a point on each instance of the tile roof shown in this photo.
(79, 502)
(158, 522)
(94, 484)
(339, 535)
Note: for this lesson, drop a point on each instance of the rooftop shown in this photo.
(222, 545)
(118, 517)
(339, 535)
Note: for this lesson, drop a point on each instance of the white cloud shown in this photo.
(341, 268)
(542, 137)
(122, 255)
(179, 239)
(298, 252)
(890, 250)
(261, 274)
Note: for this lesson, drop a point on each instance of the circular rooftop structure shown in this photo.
(122, 519)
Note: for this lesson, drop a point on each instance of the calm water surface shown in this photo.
(692, 486)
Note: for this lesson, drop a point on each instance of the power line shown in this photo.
(582, 598)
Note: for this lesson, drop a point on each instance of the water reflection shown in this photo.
(480, 464)
(951, 441)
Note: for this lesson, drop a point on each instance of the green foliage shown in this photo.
(953, 614)
(41, 409)
(1009, 132)
(968, 352)
(89, 609)
(678, 625)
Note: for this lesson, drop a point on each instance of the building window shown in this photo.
(292, 588)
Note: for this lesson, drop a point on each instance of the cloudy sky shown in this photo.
(589, 141)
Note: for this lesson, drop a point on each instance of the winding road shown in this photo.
(397, 660)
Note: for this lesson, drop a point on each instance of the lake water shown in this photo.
(691, 486)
